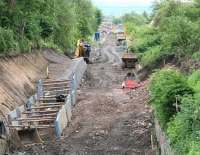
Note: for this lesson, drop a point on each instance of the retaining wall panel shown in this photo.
(68, 108)
(61, 121)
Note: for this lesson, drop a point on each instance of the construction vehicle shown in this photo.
(121, 37)
(83, 50)
(129, 60)
(86, 54)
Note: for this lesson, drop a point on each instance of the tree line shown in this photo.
(25, 25)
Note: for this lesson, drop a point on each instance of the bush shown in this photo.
(184, 130)
(7, 42)
(151, 56)
(194, 81)
(167, 88)
(196, 56)
(194, 148)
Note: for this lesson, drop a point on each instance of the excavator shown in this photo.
(83, 50)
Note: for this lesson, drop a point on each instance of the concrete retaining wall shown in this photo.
(61, 121)
(68, 107)
(163, 141)
(75, 74)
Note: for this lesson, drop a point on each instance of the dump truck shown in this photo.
(129, 60)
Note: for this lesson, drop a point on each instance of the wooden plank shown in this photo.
(47, 99)
(30, 126)
(52, 114)
(43, 107)
(55, 88)
(47, 104)
(47, 111)
(30, 118)
(38, 120)
(58, 90)
(53, 81)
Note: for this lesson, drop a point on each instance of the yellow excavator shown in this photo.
(83, 49)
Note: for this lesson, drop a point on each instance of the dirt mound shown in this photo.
(19, 75)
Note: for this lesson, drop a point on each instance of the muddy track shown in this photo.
(106, 120)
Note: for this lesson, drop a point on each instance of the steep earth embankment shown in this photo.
(19, 75)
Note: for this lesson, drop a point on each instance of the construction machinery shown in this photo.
(87, 51)
(83, 50)
(121, 37)
(129, 60)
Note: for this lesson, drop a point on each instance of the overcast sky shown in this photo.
(119, 7)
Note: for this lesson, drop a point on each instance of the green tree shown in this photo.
(46, 23)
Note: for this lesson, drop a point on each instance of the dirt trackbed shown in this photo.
(106, 120)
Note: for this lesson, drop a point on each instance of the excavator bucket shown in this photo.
(29, 136)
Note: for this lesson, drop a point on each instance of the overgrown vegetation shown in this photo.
(25, 25)
(176, 99)
(167, 88)
(171, 32)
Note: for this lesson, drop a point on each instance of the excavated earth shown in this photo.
(107, 120)
(19, 75)
(18, 78)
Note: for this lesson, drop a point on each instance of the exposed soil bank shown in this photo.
(19, 74)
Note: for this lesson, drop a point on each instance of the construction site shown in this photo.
(75, 107)
(80, 77)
